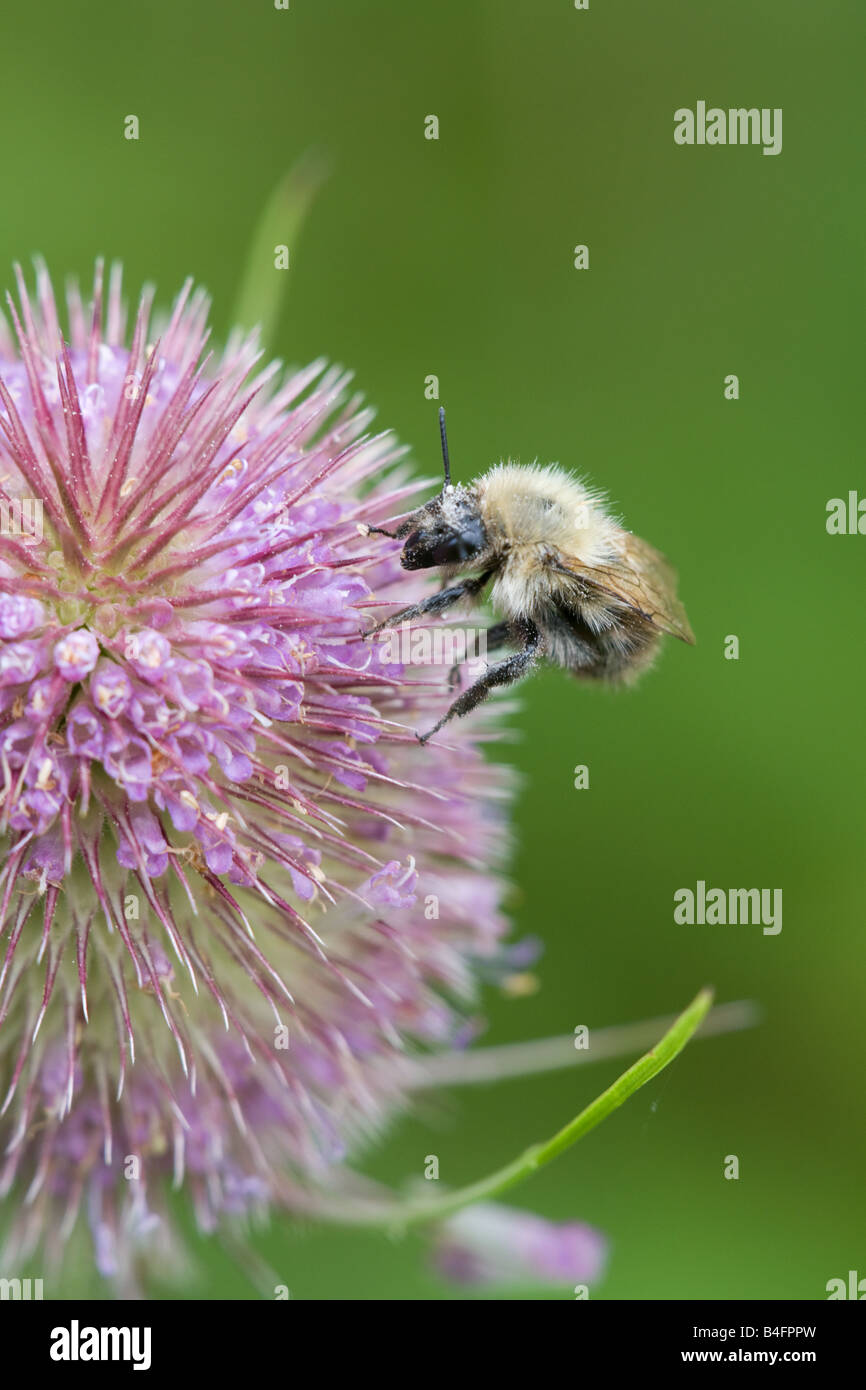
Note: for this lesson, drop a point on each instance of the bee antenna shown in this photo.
(445, 459)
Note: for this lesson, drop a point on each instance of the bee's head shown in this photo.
(447, 531)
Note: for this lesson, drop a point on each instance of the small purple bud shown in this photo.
(19, 662)
(110, 689)
(84, 731)
(149, 843)
(393, 886)
(128, 762)
(43, 697)
(148, 653)
(19, 614)
(488, 1244)
(76, 654)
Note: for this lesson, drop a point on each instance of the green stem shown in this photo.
(397, 1216)
(263, 287)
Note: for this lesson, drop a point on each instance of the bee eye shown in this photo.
(450, 549)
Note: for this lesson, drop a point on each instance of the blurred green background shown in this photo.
(455, 257)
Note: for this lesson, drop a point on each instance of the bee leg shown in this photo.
(436, 603)
(503, 673)
(495, 637)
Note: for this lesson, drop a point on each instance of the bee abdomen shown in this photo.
(602, 646)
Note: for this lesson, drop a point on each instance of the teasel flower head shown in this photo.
(236, 894)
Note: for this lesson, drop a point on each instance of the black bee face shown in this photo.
(445, 534)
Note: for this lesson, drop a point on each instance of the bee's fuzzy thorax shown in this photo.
(537, 504)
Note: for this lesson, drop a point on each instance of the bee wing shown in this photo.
(644, 581)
